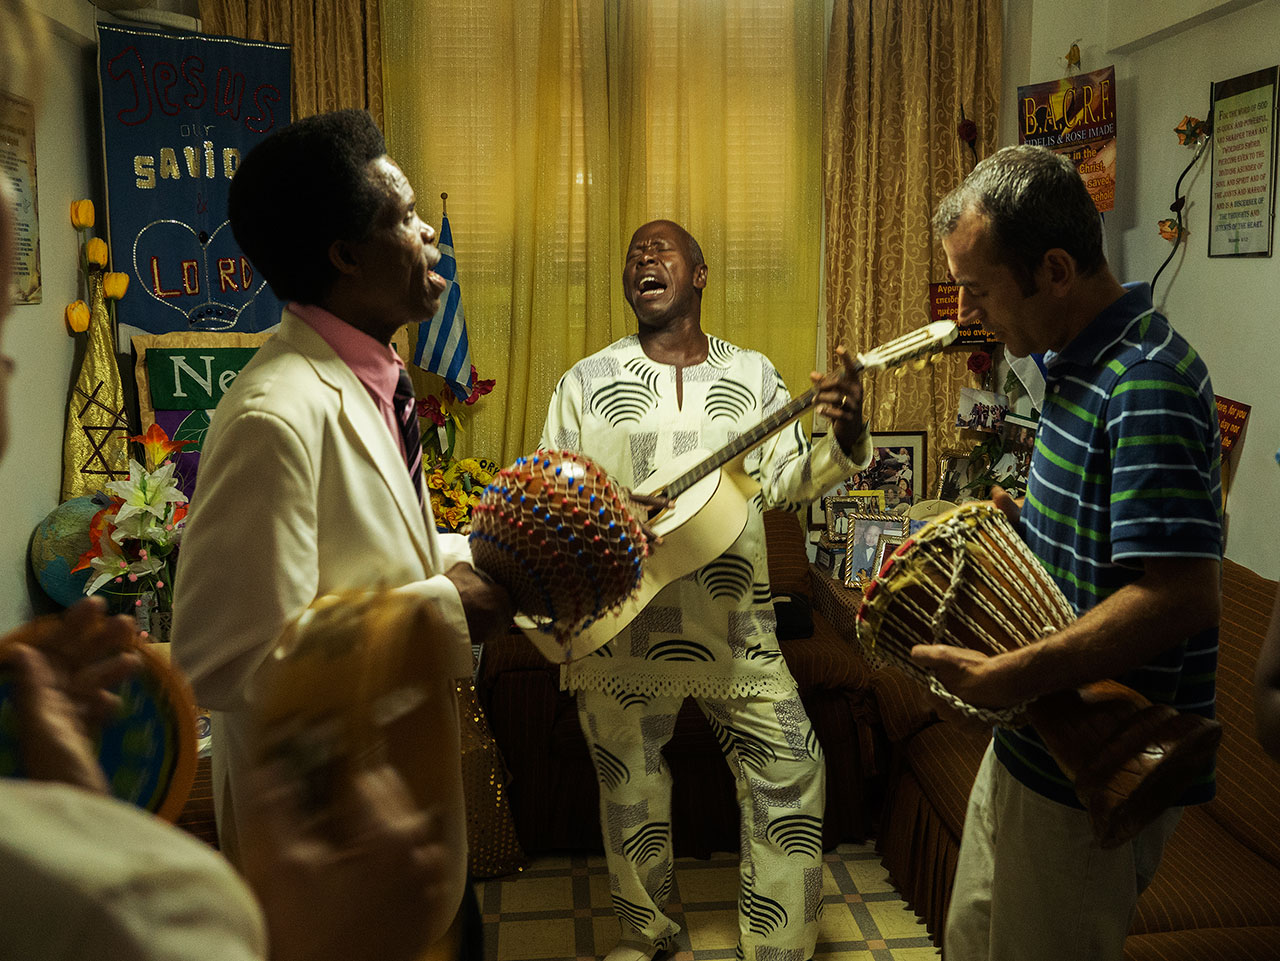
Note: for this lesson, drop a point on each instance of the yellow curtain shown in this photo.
(558, 128)
(337, 57)
(898, 74)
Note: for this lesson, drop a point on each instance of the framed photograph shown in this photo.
(887, 545)
(1018, 437)
(981, 409)
(862, 549)
(841, 509)
(953, 474)
(830, 558)
(897, 468)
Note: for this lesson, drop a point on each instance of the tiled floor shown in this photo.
(559, 910)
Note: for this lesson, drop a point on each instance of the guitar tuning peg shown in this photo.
(900, 372)
(919, 363)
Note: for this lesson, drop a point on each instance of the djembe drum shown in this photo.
(968, 580)
(563, 540)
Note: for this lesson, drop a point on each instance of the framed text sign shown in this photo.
(1244, 151)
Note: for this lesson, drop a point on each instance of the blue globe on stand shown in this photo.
(56, 546)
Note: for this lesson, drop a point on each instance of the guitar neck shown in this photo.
(779, 419)
(917, 343)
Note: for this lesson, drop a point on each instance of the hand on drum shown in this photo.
(841, 394)
(1004, 500)
(64, 669)
(970, 675)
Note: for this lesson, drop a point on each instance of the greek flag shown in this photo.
(442, 342)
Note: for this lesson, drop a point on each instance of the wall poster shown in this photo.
(1242, 201)
(1076, 116)
(18, 163)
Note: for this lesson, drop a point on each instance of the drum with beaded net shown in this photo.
(561, 537)
(968, 580)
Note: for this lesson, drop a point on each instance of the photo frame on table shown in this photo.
(953, 474)
(829, 558)
(887, 544)
(863, 547)
(840, 509)
(899, 461)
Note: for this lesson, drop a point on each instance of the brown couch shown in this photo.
(551, 786)
(1217, 893)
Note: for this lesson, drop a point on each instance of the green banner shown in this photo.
(193, 378)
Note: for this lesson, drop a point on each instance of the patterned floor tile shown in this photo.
(560, 910)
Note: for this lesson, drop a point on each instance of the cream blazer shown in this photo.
(301, 491)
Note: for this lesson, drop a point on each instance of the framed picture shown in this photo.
(1018, 438)
(1242, 197)
(862, 549)
(897, 468)
(953, 474)
(981, 409)
(840, 510)
(830, 558)
(887, 545)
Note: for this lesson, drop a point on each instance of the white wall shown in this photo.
(35, 335)
(1166, 54)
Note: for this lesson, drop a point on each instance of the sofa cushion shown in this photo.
(825, 661)
(1205, 944)
(1248, 801)
(788, 560)
(945, 759)
(1207, 879)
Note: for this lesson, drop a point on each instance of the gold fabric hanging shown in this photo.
(95, 448)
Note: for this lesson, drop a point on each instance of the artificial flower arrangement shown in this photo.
(93, 262)
(454, 485)
(134, 537)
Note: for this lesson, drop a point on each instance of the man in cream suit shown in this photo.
(304, 486)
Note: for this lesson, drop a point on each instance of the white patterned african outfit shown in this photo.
(710, 636)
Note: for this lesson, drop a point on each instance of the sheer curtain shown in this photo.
(898, 73)
(558, 128)
(337, 57)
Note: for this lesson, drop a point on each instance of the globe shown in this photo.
(56, 546)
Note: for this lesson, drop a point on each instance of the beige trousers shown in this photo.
(1032, 883)
(781, 786)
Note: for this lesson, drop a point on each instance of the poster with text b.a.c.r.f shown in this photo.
(1076, 116)
(179, 110)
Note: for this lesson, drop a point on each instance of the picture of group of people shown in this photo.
(894, 474)
(981, 410)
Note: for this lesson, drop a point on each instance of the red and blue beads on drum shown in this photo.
(555, 531)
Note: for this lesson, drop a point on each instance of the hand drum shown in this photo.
(968, 580)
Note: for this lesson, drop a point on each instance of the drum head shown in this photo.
(147, 751)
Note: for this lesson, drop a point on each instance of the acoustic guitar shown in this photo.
(710, 495)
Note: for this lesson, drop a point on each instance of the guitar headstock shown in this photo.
(919, 343)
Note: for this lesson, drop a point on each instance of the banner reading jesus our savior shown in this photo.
(1076, 117)
(179, 110)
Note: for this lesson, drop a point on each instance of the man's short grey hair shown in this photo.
(1033, 200)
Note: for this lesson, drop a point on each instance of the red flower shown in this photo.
(478, 387)
(430, 408)
(968, 130)
(979, 362)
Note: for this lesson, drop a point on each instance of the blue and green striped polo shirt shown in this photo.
(1125, 467)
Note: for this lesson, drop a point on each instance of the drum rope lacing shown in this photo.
(1009, 716)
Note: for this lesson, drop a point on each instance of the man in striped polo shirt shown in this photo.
(1123, 509)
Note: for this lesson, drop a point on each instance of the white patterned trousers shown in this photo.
(778, 768)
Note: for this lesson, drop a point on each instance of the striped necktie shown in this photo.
(407, 417)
